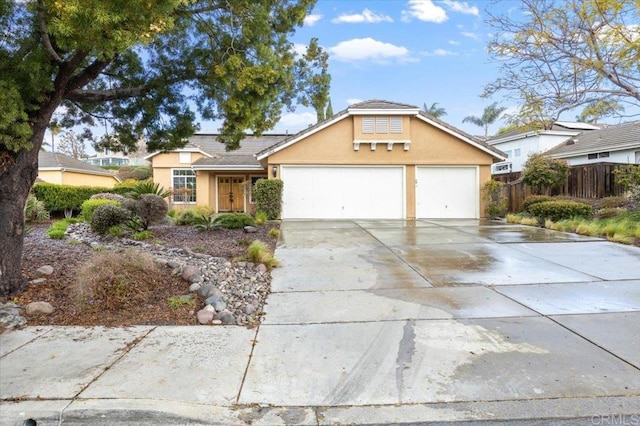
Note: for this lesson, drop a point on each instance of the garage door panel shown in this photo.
(343, 192)
(447, 192)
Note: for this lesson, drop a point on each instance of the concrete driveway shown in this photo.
(458, 319)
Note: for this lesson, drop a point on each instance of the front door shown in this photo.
(230, 194)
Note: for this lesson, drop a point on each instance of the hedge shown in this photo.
(560, 210)
(65, 197)
(268, 195)
(534, 199)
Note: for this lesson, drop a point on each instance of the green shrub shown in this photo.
(274, 233)
(495, 201)
(234, 220)
(151, 209)
(125, 172)
(58, 229)
(261, 218)
(544, 172)
(108, 215)
(268, 196)
(141, 173)
(90, 206)
(176, 302)
(610, 212)
(534, 199)
(143, 235)
(59, 198)
(559, 210)
(205, 222)
(185, 217)
(34, 210)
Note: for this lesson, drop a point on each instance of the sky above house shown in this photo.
(414, 52)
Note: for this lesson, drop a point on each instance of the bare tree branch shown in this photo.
(46, 41)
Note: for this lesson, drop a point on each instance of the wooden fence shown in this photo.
(588, 181)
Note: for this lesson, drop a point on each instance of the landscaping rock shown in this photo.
(248, 309)
(39, 308)
(38, 281)
(194, 279)
(211, 300)
(189, 272)
(226, 317)
(173, 264)
(209, 308)
(262, 268)
(10, 316)
(45, 270)
(204, 316)
(219, 306)
(194, 287)
(250, 229)
(205, 289)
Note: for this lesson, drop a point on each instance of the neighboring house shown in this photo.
(64, 170)
(614, 144)
(374, 160)
(519, 145)
(108, 158)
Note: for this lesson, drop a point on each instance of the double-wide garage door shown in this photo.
(318, 192)
(377, 192)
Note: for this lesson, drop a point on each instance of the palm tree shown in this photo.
(489, 116)
(434, 110)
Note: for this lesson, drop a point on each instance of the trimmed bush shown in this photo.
(559, 210)
(234, 220)
(141, 173)
(534, 199)
(544, 172)
(186, 217)
(106, 216)
(268, 196)
(495, 200)
(58, 198)
(152, 209)
(90, 206)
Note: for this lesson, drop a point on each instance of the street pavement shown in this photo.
(369, 322)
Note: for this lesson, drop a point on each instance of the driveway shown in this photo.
(461, 319)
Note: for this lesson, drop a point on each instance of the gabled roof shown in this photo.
(382, 107)
(55, 161)
(612, 138)
(559, 128)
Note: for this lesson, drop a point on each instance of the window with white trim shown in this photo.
(184, 185)
(254, 179)
(185, 158)
(598, 155)
(368, 125)
(637, 157)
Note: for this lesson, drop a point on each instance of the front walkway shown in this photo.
(368, 322)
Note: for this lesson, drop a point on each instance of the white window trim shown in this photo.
(173, 188)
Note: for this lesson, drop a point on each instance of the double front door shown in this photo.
(230, 194)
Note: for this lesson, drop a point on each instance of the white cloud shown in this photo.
(299, 48)
(454, 43)
(461, 7)
(368, 49)
(424, 10)
(440, 52)
(470, 34)
(311, 20)
(294, 122)
(367, 16)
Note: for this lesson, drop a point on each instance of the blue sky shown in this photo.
(411, 51)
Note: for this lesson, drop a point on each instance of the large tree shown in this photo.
(560, 55)
(489, 116)
(143, 66)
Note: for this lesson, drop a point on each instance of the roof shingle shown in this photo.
(607, 139)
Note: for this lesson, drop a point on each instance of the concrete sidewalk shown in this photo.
(369, 322)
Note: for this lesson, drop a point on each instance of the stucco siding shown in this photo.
(51, 176)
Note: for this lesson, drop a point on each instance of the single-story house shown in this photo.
(519, 145)
(61, 169)
(373, 160)
(613, 144)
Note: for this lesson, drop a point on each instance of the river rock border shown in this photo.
(234, 293)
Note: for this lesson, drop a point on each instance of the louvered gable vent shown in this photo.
(395, 124)
(368, 125)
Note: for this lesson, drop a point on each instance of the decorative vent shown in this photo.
(368, 125)
(382, 125)
(395, 124)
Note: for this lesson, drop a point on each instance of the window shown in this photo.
(185, 158)
(254, 179)
(516, 152)
(598, 155)
(503, 167)
(184, 186)
(603, 155)
(637, 157)
(381, 125)
(592, 156)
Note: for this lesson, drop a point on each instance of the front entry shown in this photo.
(230, 194)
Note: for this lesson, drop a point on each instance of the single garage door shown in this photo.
(317, 192)
(447, 192)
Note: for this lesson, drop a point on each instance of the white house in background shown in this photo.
(519, 145)
(614, 144)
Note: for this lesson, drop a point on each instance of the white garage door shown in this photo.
(315, 192)
(447, 192)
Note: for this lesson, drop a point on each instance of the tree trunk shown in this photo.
(18, 172)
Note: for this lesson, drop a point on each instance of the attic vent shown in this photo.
(572, 141)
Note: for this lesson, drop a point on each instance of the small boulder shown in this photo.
(45, 270)
(220, 305)
(189, 272)
(39, 308)
(209, 308)
(250, 229)
(248, 309)
(173, 264)
(226, 317)
(262, 268)
(213, 299)
(194, 287)
(38, 281)
(204, 316)
(205, 289)
(197, 278)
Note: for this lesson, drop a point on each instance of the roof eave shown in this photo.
(228, 167)
(633, 145)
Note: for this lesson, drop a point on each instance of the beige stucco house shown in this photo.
(61, 169)
(374, 160)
